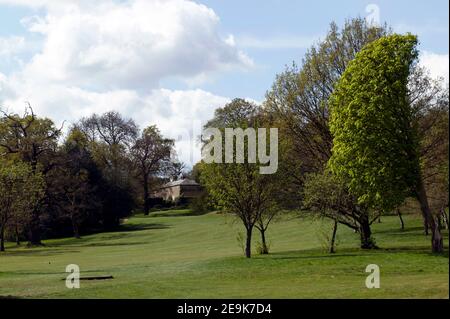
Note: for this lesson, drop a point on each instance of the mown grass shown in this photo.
(175, 254)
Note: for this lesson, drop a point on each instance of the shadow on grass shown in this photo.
(353, 252)
(103, 244)
(34, 252)
(139, 227)
(176, 213)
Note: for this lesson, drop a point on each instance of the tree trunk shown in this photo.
(426, 231)
(402, 223)
(76, 231)
(437, 242)
(444, 217)
(2, 238)
(34, 230)
(146, 195)
(264, 248)
(248, 244)
(16, 230)
(366, 233)
(333, 237)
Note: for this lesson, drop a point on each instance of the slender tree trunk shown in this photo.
(76, 231)
(444, 217)
(146, 195)
(248, 244)
(2, 238)
(426, 231)
(333, 237)
(16, 231)
(402, 223)
(366, 233)
(264, 248)
(437, 242)
(35, 230)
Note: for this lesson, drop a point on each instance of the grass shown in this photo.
(175, 254)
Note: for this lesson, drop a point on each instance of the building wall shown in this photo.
(172, 193)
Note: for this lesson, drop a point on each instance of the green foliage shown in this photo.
(21, 190)
(374, 146)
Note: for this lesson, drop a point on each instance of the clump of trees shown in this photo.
(301, 102)
(87, 183)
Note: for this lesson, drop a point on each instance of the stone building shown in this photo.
(184, 188)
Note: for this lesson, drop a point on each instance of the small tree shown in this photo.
(375, 144)
(239, 188)
(327, 196)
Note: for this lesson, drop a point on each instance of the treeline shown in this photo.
(103, 169)
(363, 129)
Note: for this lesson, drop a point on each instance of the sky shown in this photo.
(173, 62)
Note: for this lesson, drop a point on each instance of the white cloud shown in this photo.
(129, 44)
(11, 45)
(110, 55)
(178, 114)
(436, 64)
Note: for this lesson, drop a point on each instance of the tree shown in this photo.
(74, 180)
(21, 190)
(239, 188)
(327, 196)
(151, 152)
(32, 140)
(375, 143)
(110, 138)
(299, 99)
(299, 96)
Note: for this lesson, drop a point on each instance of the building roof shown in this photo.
(185, 182)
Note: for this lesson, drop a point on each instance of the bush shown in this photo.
(201, 205)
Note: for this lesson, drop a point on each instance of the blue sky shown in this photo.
(310, 19)
(173, 62)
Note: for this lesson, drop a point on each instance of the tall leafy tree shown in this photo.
(33, 140)
(375, 142)
(151, 153)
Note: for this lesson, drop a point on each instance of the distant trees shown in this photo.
(86, 183)
(151, 154)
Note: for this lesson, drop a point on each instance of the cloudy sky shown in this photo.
(172, 62)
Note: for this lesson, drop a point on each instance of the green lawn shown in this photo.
(174, 255)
